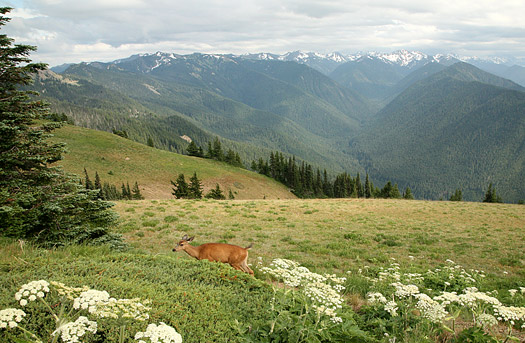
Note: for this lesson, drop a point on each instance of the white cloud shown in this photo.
(74, 31)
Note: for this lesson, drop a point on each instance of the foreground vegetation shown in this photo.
(356, 239)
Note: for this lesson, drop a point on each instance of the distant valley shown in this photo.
(431, 123)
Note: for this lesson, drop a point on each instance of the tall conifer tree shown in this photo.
(37, 201)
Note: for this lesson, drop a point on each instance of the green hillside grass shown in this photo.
(335, 235)
(208, 302)
(119, 160)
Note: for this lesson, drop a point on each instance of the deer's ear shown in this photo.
(190, 239)
(185, 237)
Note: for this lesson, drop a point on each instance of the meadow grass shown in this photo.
(198, 298)
(337, 235)
(118, 160)
(209, 302)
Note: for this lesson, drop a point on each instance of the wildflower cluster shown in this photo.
(323, 290)
(90, 299)
(430, 308)
(98, 304)
(69, 292)
(72, 331)
(123, 308)
(435, 305)
(9, 318)
(161, 333)
(32, 291)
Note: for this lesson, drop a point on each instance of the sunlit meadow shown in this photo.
(340, 235)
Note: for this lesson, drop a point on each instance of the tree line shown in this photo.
(193, 190)
(107, 191)
(304, 182)
(215, 152)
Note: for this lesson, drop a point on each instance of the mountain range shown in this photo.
(431, 123)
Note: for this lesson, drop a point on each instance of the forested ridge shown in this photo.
(433, 135)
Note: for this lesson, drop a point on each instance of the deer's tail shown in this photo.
(249, 246)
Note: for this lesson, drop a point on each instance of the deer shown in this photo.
(234, 255)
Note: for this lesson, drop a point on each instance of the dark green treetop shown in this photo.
(38, 201)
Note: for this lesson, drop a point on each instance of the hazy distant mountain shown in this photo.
(268, 104)
(429, 122)
(459, 128)
(402, 61)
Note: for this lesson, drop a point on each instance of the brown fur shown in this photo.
(234, 255)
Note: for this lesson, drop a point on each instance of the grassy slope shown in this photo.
(202, 300)
(153, 168)
(338, 235)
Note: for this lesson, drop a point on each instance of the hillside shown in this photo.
(260, 104)
(260, 113)
(450, 131)
(119, 160)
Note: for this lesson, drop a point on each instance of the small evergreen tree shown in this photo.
(218, 154)
(386, 190)
(395, 193)
(121, 133)
(457, 196)
(359, 186)
(195, 187)
(230, 195)
(98, 186)
(408, 194)
(193, 149)
(210, 153)
(368, 187)
(87, 181)
(216, 193)
(124, 192)
(135, 192)
(150, 142)
(180, 187)
(491, 196)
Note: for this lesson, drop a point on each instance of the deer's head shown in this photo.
(185, 241)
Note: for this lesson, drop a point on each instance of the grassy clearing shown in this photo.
(120, 160)
(208, 302)
(340, 235)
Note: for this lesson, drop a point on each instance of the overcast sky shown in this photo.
(71, 31)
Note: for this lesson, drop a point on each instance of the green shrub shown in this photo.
(183, 292)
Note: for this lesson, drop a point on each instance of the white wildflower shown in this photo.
(375, 298)
(430, 309)
(509, 314)
(10, 317)
(447, 298)
(472, 297)
(404, 291)
(69, 292)
(32, 291)
(322, 290)
(487, 320)
(159, 334)
(122, 308)
(513, 292)
(323, 294)
(89, 300)
(391, 307)
(72, 331)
